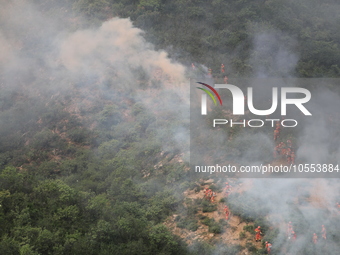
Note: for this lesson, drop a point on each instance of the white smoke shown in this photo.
(119, 46)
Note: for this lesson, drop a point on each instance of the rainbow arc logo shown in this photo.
(209, 93)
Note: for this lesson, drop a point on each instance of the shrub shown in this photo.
(214, 227)
(245, 206)
(78, 135)
(251, 247)
(242, 235)
(208, 207)
(192, 210)
(202, 217)
(206, 221)
(223, 223)
(249, 228)
(187, 223)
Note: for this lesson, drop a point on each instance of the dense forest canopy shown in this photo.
(94, 114)
(295, 38)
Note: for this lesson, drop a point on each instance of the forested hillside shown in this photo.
(286, 38)
(94, 118)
